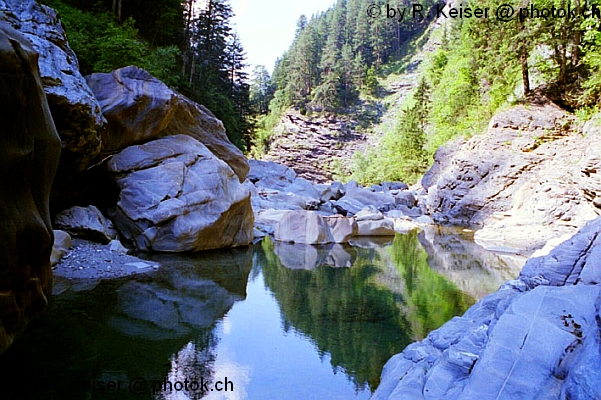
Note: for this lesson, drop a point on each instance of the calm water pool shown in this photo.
(272, 321)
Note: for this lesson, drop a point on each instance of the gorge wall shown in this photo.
(29, 154)
(533, 176)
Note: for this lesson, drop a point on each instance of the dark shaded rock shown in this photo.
(74, 108)
(177, 196)
(62, 243)
(140, 108)
(86, 223)
(29, 154)
(538, 337)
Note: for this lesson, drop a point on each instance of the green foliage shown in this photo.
(118, 46)
(389, 296)
(199, 56)
(401, 154)
(163, 64)
(430, 298)
(372, 85)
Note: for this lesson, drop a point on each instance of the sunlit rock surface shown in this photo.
(177, 196)
(29, 154)
(140, 108)
(531, 177)
(538, 337)
(74, 108)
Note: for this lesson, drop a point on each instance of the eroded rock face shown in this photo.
(315, 147)
(537, 337)
(530, 178)
(140, 108)
(74, 108)
(177, 196)
(29, 154)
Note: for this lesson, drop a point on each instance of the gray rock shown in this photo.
(369, 213)
(403, 211)
(86, 223)
(265, 169)
(74, 108)
(29, 154)
(342, 229)
(528, 179)
(115, 246)
(536, 338)
(405, 198)
(62, 243)
(334, 191)
(177, 196)
(382, 227)
(304, 227)
(140, 108)
(357, 198)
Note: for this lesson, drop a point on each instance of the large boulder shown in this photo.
(29, 154)
(178, 196)
(74, 108)
(531, 177)
(304, 227)
(538, 337)
(140, 108)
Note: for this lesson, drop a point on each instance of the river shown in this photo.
(271, 321)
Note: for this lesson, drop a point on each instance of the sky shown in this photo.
(266, 27)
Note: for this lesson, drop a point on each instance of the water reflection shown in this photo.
(453, 253)
(279, 321)
(363, 315)
(115, 340)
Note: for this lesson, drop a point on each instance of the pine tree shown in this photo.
(261, 90)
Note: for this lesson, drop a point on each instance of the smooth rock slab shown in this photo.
(537, 337)
(305, 227)
(177, 196)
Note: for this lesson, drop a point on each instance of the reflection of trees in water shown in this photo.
(358, 323)
(363, 315)
(454, 253)
(193, 367)
(430, 298)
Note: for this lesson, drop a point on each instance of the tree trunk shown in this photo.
(119, 10)
(525, 74)
(577, 38)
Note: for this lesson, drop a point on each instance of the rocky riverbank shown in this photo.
(533, 176)
(537, 337)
